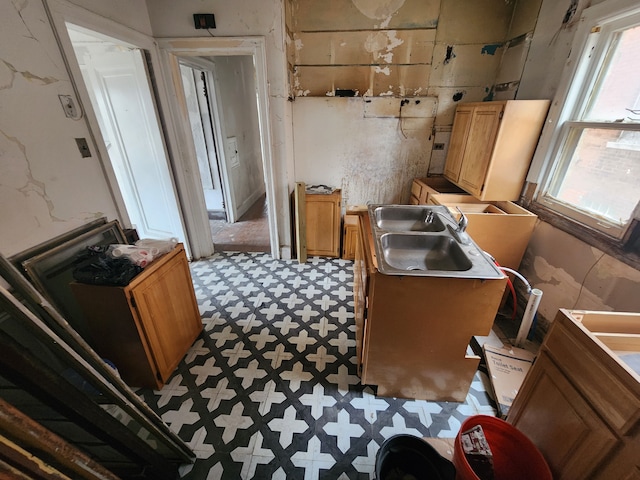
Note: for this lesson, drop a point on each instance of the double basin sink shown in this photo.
(425, 240)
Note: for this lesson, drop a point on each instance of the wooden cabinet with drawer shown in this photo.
(422, 188)
(580, 402)
(146, 327)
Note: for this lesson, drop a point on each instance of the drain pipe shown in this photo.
(527, 319)
(535, 295)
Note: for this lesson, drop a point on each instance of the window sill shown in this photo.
(612, 247)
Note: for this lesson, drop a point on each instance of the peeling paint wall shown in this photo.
(46, 188)
(394, 47)
(450, 50)
(371, 153)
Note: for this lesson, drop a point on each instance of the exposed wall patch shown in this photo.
(458, 96)
(571, 12)
(490, 49)
(449, 55)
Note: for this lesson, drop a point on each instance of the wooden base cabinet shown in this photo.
(422, 188)
(412, 332)
(500, 228)
(323, 223)
(580, 402)
(349, 236)
(146, 327)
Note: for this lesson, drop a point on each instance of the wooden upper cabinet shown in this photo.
(459, 135)
(491, 146)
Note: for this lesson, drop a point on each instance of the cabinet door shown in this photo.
(168, 313)
(323, 224)
(350, 237)
(483, 129)
(558, 420)
(459, 134)
(416, 192)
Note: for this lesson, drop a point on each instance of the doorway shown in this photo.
(221, 101)
(242, 134)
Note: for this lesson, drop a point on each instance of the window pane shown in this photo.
(603, 174)
(616, 95)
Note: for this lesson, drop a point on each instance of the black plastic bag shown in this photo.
(97, 268)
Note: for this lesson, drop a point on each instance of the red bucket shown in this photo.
(514, 455)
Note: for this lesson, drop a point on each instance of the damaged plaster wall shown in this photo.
(571, 273)
(574, 275)
(451, 51)
(361, 146)
(46, 187)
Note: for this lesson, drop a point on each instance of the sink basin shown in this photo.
(406, 244)
(406, 218)
(411, 252)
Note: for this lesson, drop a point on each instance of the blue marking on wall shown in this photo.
(490, 49)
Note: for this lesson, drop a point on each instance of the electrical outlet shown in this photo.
(83, 146)
(438, 146)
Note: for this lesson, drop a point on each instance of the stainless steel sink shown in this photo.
(406, 218)
(411, 252)
(422, 240)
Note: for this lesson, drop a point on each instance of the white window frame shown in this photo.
(591, 42)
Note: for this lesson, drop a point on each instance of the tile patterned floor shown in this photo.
(269, 390)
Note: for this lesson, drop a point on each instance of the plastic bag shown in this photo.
(97, 268)
(159, 246)
(137, 255)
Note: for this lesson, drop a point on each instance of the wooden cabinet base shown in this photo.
(147, 327)
(580, 402)
(413, 333)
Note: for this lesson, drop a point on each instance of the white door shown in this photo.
(196, 92)
(118, 83)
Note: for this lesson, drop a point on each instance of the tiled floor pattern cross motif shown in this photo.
(270, 390)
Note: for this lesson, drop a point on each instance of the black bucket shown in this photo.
(405, 456)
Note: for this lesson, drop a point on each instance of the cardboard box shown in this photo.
(507, 368)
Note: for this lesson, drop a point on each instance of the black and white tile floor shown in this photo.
(270, 390)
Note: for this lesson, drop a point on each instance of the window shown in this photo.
(592, 174)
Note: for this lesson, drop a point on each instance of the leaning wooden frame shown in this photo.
(46, 324)
(51, 271)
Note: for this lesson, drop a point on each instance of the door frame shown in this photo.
(172, 49)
